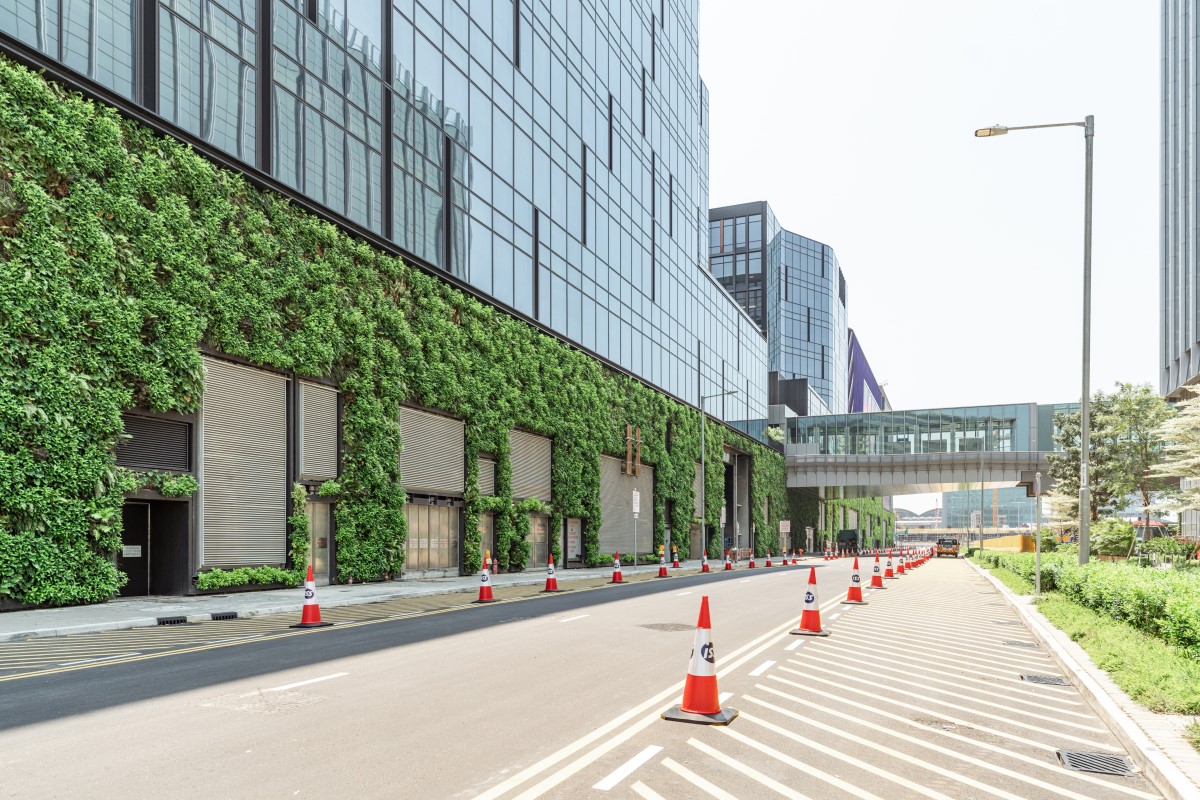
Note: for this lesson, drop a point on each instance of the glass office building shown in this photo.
(793, 288)
(1006, 507)
(550, 158)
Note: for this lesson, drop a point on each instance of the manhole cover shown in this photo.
(1104, 763)
(1047, 680)
(1022, 644)
(669, 627)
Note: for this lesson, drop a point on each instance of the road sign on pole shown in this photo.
(637, 507)
(637, 502)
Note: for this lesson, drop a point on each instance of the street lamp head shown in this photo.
(995, 130)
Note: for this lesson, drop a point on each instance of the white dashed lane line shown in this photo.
(761, 668)
(625, 770)
(298, 684)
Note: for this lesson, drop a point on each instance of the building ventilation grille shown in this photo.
(1104, 763)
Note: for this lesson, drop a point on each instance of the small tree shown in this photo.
(1181, 455)
(1112, 537)
(1131, 423)
(1064, 465)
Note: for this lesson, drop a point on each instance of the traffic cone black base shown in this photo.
(722, 717)
(801, 632)
(311, 625)
(854, 602)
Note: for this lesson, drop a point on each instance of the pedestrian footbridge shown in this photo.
(914, 452)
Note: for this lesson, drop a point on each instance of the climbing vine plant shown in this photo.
(123, 253)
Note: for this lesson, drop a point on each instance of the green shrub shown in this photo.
(1112, 537)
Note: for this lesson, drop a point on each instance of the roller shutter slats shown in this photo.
(431, 461)
(244, 473)
(616, 507)
(155, 444)
(487, 477)
(318, 424)
(530, 455)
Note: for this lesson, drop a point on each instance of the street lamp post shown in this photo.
(704, 465)
(1089, 131)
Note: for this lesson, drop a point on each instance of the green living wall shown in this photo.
(123, 253)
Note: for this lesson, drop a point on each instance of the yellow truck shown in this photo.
(946, 547)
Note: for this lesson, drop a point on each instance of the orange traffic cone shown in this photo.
(854, 593)
(674, 557)
(551, 580)
(810, 618)
(887, 573)
(704, 561)
(728, 563)
(900, 564)
(485, 581)
(616, 576)
(662, 567)
(768, 558)
(826, 553)
(796, 557)
(701, 701)
(751, 565)
(876, 575)
(310, 617)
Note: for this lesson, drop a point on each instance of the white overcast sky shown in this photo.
(963, 257)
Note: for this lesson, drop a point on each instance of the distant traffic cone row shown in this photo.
(310, 617)
(810, 617)
(854, 593)
(701, 700)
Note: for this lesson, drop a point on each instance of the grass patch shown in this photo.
(1159, 676)
(1010, 579)
(1192, 734)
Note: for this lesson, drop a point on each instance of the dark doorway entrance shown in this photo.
(154, 547)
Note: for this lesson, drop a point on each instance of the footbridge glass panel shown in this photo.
(971, 429)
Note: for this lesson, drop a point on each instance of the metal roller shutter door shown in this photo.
(530, 456)
(244, 475)
(154, 444)
(616, 508)
(318, 432)
(487, 477)
(432, 461)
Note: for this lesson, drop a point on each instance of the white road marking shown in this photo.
(794, 645)
(928, 698)
(681, 594)
(572, 619)
(936, 748)
(93, 660)
(696, 780)
(654, 705)
(307, 682)
(761, 668)
(744, 580)
(723, 697)
(234, 639)
(625, 770)
(770, 783)
(646, 792)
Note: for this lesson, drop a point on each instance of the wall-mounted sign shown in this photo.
(785, 526)
(131, 551)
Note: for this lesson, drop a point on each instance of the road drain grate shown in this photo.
(669, 627)
(172, 620)
(1104, 763)
(221, 616)
(1005, 622)
(1022, 644)
(1046, 680)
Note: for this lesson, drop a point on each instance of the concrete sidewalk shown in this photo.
(144, 612)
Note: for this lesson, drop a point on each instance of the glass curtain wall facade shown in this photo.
(1179, 282)
(1007, 507)
(793, 288)
(1010, 428)
(550, 157)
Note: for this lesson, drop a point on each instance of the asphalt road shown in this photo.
(913, 695)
